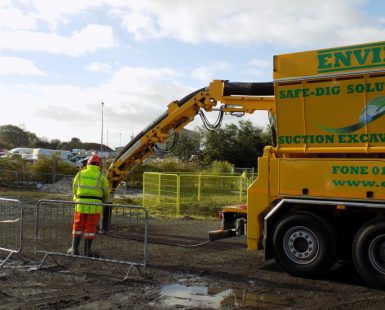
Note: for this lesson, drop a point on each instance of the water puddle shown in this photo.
(177, 295)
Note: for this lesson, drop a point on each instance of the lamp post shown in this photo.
(101, 139)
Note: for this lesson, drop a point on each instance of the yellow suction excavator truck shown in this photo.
(320, 192)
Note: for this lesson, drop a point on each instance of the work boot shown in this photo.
(74, 249)
(87, 248)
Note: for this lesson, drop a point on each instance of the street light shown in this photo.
(101, 140)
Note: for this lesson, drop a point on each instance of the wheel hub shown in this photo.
(301, 245)
(376, 253)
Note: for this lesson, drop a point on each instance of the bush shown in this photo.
(218, 166)
(168, 164)
(53, 164)
(14, 162)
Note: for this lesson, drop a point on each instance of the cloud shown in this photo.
(260, 63)
(56, 13)
(212, 71)
(89, 39)
(227, 22)
(13, 19)
(98, 67)
(361, 35)
(202, 74)
(258, 68)
(282, 22)
(133, 97)
(19, 66)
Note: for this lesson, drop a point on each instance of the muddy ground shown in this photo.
(218, 275)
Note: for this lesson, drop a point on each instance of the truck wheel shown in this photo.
(304, 244)
(369, 253)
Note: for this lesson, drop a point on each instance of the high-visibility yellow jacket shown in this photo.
(90, 185)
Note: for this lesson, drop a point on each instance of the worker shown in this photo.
(244, 180)
(90, 185)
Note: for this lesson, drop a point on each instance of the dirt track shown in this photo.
(222, 274)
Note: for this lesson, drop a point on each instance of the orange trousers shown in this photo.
(85, 225)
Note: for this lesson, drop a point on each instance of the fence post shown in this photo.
(177, 194)
(144, 189)
(53, 170)
(240, 188)
(199, 186)
(159, 186)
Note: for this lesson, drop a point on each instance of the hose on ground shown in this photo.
(161, 242)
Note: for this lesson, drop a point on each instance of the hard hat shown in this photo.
(95, 160)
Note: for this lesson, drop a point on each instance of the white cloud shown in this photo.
(283, 22)
(20, 66)
(361, 35)
(259, 68)
(13, 19)
(202, 74)
(212, 71)
(280, 22)
(89, 39)
(55, 13)
(98, 67)
(260, 63)
(133, 97)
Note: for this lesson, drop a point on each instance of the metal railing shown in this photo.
(193, 194)
(124, 243)
(161, 190)
(11, 228)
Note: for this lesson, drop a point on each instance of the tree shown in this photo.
(5, 145)
(240, 144)
(53, 164)
(54, 143)
(14, 136)
(33, 140)
(15, 163)
(188, 144)
(75, 143)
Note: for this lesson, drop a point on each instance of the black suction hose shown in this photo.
(248, 89)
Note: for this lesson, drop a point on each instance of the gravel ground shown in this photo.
(217, 275)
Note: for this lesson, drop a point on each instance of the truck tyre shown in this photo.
(304, 244)
(368, 253)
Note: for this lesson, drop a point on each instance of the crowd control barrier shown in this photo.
(11, 228)
(193, 194)
(125, 242)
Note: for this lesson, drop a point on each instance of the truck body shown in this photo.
(320, 192)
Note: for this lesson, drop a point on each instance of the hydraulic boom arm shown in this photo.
(222, 96)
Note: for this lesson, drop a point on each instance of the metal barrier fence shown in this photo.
(124, 243)
(198, 194)
(11, 228)
(161, 190)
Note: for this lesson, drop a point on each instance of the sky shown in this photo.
(59, 60)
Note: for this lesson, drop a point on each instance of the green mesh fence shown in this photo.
(193, 194)
(160, 191)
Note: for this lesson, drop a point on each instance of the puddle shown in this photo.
(177, 295)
